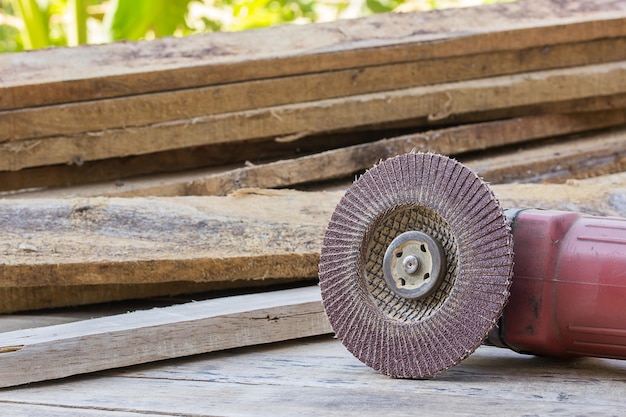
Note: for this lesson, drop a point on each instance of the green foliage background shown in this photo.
(33, 24)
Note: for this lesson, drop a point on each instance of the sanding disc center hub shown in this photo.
(413, 265)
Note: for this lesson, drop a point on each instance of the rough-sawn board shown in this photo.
(111, 342)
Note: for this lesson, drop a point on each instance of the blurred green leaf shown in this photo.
(133, 19)
(382, 6)
(249, 14)
(9, 39)
(78, 28)
(35, 32)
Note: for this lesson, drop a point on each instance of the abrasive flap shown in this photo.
(433, 194)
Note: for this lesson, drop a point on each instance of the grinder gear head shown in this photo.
(416, 265)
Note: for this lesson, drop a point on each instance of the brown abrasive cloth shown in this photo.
(438, 196)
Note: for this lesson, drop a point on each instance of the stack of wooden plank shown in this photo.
(530, 91)
(114, 111)
(206, 132)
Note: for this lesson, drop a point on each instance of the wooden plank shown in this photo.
(436, 102)
(185, 239)
(177, 160)
(157, 334)
(123, 69)
(252, 235)
(159, 246)
(121, 170)
(148, 109)
(318, 376)
(347, 161)
(35, 298)
(555, 160)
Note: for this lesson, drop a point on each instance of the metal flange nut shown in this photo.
(413, 265)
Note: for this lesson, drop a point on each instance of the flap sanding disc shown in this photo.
(416, 265)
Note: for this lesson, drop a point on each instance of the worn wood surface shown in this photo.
(318, 376)
(208, 157)
(221, 155)
(349, 160)
(296, 121)
(150, 109)
(601, 196)
(124, 69)
(158, 246)
(144, 336)
(555, 160)
(254, 234)
(608, 149)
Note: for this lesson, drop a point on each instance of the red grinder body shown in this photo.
(568, 294)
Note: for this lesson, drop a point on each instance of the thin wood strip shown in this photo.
(587, 156)
(142, 110)
(158, 165)
(218, 156)
(144, 336)
(201, 239)
(296, 121)
(49, 77)
(346, 161)
(16, 299)
(253, 235)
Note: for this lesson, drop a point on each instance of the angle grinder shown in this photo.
(420, 265)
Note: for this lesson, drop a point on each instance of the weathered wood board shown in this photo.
(555, 160)
(349, 160)
(188, 104)
(209, 159)
(158, 246)
(144, 336)
(251, 235)
(300, 120)
(124, 69)
(317, 376)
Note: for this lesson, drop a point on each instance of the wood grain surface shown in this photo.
(59, 252)
(168, 332)
(151, 109)
(350, 160)
(127, 68)
(304, 119)
(317, 376)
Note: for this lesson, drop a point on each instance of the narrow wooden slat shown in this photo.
(166, 244)
(249, 236)
(319, 376)
(434, 102)
(346, 161)
(123, 69)
(142, 110)
(38, 297)
(178, 160)
(587, 156)
(157, 334)
(456, 140)
(158, 165)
